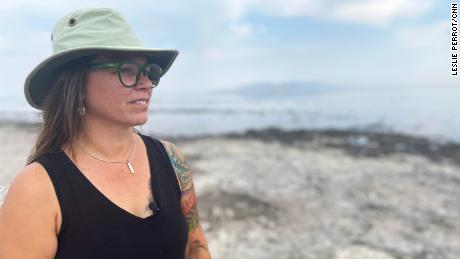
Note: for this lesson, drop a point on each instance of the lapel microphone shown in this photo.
(154, 207)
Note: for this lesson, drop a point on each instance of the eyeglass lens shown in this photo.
(130, 73)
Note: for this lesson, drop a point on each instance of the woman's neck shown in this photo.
(111, 142)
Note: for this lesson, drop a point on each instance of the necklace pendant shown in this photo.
(130, 167)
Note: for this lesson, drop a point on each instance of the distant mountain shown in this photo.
(282, 90)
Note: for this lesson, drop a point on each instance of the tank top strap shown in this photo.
(53, 164)
(161, 158)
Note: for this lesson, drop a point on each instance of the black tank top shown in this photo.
(95, 227)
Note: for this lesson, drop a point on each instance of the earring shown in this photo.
(82, 111)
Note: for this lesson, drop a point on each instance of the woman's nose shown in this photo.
(144, 83)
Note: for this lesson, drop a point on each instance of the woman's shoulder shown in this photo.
(30, 204)
(33, 181)
(167, 144)
(31, 189)
(171, 149)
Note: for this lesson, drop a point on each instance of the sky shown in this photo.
(226, 44)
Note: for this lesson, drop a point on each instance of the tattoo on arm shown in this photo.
(198, 244)
(184, 176)
(191, 217)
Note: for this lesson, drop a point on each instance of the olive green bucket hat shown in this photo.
(83, 33)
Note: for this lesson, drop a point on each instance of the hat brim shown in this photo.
(38, 83)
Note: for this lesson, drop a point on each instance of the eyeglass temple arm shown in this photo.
(103, 65)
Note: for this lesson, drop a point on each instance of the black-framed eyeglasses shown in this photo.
(129, 71)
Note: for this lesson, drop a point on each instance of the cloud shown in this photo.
(432, 36)
(221, 46)
(379, 12)
(374, 12)
(224, 66)
(241, 30)
(5, 43)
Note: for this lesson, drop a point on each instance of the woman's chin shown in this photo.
(135, 120)
(139, 122)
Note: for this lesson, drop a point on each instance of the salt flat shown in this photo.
(263, 195)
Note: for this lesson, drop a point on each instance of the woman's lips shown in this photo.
(140, 103)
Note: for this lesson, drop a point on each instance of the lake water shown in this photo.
(426, 112)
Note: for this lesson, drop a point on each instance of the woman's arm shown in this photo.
(28, 216)
(197, 247)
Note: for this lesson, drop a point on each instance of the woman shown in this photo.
(94, 187)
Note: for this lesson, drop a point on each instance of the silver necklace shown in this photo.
(127, 162)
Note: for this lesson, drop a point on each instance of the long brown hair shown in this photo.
(62, 121)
